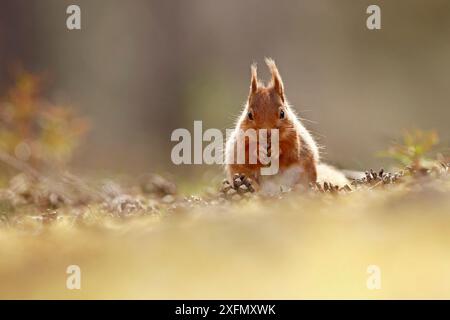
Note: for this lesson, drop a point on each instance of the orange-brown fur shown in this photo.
(296, 145)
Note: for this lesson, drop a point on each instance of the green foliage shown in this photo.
(414, 148)
(34, 129)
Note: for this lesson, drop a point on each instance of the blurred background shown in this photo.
(140, 69)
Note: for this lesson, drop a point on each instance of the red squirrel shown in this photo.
(267, 108)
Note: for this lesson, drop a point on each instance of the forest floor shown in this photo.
(148, 241)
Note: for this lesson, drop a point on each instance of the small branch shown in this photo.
(19, 165)
(56, 185)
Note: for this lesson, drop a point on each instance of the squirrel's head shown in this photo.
(266, 107)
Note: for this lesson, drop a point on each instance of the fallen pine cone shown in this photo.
(372, 178)
(329, 187)
(125, 204)
(240, 186)
(157, 185)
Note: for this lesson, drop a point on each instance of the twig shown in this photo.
(54, 185)
(20, 165)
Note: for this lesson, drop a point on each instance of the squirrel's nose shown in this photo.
(268, 130)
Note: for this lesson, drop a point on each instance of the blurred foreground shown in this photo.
(302, 245)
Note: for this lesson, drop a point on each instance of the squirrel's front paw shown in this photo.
(240, 184)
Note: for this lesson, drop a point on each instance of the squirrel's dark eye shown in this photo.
(281, 114)
(250, 115)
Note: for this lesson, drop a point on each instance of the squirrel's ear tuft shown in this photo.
(277, 83)
(254, 81)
